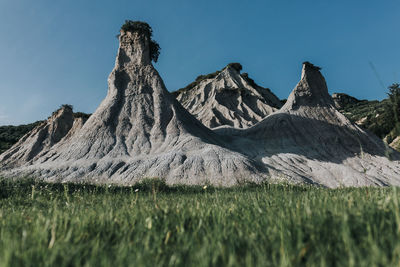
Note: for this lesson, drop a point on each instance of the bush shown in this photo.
(394, 96)
(144, 29)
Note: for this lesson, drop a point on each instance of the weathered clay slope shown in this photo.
(308, 140)
(228, 98)
(39, 141)
(140, 131)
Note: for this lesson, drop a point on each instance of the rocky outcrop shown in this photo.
(228, 97)
(139, 131)
(309, 141)
(396, 143)
(341, 100)
(40, 139)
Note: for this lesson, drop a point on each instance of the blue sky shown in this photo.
(57, 52)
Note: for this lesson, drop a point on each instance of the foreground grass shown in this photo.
(270, 225)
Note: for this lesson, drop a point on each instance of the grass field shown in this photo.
(154, 225)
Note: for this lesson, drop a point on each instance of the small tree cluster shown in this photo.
(394, 97)
(145, 29)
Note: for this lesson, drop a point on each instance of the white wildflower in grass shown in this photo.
(136, 190)
(205, 187)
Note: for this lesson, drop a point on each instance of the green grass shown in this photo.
(270, 225)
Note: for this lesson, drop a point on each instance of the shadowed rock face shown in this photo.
(308, 140)
(140, 131)
(228, 99)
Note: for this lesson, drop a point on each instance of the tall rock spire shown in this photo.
(310, 91)
(134, 49)
(140, 130)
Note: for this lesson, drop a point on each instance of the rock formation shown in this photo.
(140, 130)
(38, 142)
(228, 97)
(309, 141)
(395, 143)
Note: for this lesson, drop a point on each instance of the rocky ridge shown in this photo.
(309, 141)
(140, 130)
(228, 97)
(39, 141)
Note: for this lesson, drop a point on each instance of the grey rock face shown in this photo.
(309, 141)
(40, 139)
(140, 130)
(229, 98)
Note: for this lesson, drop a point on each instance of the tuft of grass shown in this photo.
(153, 224)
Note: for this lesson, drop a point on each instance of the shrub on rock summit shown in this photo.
(143, 28)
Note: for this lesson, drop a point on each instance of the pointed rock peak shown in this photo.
(227, 97)
(232, 70)
(311, 90)
(64, 111)
(237, 67)
(41, 138)
(136, 44)
(60, 123)
(133, 73)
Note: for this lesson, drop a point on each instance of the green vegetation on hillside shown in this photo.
(371, 115)
(154, 225)
(394, 97)
(9, 135)
(380, 117)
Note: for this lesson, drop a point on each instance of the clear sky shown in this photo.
(61, 52)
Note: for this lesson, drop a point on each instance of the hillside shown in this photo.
(371, 115)
(9, 134)
(140, 130)
(368, 114)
